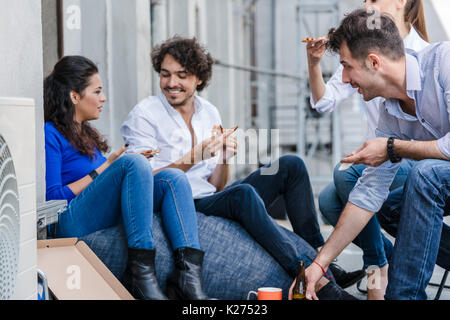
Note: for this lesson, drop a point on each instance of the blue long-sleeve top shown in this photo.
(65, 164)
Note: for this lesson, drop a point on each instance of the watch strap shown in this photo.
(93, 174)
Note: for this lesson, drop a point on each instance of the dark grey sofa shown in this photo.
(228, 247)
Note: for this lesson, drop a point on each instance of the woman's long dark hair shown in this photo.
(71, 73)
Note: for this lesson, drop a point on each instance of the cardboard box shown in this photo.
(74, 272)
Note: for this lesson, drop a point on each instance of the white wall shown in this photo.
(21, 76)
(115, 34)
(219, 25)
(438, 23)
(17, 126)
(21, 59)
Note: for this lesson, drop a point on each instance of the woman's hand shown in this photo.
(78, 186)
(315, 51)
(116, 154)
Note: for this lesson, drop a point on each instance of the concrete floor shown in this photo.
(351, 259)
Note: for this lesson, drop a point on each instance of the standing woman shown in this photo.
(104, 192)
(410, 20)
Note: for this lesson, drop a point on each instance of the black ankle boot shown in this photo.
(140, 277)
(185, 283)
(332, 291)
(346, 279)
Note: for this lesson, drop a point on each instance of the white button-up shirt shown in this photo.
(337, 91)
(155, 124)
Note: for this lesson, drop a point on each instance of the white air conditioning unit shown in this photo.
(18, 253)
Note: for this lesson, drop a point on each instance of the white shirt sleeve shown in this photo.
(372, 188)
(139, 132)
(336, 91)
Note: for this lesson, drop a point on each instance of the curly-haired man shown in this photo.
(180, 123)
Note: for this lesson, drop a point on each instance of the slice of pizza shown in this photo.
(217, 131)
(150, 153)
(314, 39)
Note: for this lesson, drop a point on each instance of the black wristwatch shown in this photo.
(93, 174)
(391, 153)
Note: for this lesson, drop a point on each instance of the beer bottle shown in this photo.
(299, 291)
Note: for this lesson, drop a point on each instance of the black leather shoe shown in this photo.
(185, 283)
(333, 292)
(140, 277)
(346, 279)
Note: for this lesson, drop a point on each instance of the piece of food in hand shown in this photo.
(314, 39)
(150, 153)
(219, 130)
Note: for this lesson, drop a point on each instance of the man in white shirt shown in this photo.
(180, 123)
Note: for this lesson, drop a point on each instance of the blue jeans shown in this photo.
(246, 201)
(389, 218)
(126, 192)
(377, 249)
(421, 231)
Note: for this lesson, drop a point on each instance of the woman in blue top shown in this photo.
(103, 192)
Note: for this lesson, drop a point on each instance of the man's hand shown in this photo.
(290, 290)
(210, 148)
(229, 149)
(203, 151)
(221, 174)
(373, 153)
(312, 274)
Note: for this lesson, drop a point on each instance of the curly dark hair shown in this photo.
(71, 73)
(363, 33)
(190, 54)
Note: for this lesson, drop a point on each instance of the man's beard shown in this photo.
(184, 102)
(369, 96)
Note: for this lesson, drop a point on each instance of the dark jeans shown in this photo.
(246, 201)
